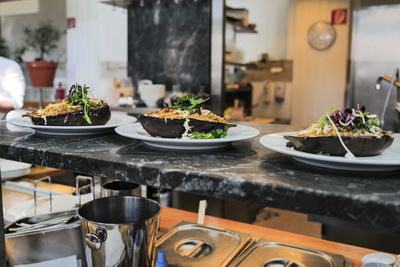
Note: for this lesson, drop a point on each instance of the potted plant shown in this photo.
(4, 50)
(43, 39)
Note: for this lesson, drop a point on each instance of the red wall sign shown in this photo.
(71, 23)
(339, 16)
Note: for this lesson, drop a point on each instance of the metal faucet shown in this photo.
(395, 82)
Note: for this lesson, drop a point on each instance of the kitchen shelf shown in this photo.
(237, 64)
(238, 90)
(240, 28)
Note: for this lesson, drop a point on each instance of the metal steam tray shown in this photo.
(265, 253)
(188, 244)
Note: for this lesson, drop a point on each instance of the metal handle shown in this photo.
(35, 194)
(95, 240)
(396, 78)
(77, 188)
(387, 79)
(191, 252)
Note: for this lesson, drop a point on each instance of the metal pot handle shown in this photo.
(78, 189)
(96, 240)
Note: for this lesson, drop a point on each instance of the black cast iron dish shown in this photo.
(358, 130)
(174, 128)
(77, 109)
(360, 146)
(98, 116)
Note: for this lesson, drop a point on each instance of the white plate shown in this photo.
(238, 133)
(13, 169)
(116, 120)
(387, 161)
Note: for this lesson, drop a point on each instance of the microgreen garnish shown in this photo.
(355, 118)
(78, 95)
(216, 133)
(188, 102)
(324, 120)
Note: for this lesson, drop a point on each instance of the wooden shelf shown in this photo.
(240, 28)
(245, 89)
(237, 64)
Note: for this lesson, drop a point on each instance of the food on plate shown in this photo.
(347, 132)
(185, 119)
(77, 109)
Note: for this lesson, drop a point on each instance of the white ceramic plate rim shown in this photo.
(131, 131)
(123, 119)
(5, 176)
(11, 165)
(281, 148)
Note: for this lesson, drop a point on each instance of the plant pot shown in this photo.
(42, 73)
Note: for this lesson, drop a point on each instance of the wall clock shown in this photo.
(321, 35)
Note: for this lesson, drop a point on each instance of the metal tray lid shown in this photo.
(272, 254)
(189, 244)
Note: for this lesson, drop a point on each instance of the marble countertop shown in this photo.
(245, 172)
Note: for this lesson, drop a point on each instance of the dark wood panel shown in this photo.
(170, 44)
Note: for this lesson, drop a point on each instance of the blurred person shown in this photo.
(12, 86)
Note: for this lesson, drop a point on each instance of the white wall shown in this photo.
(113, 38)
(100, 38)
(319, 77)
(92, 53)
(12, 28)
(271, 17)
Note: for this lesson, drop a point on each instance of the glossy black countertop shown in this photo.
(245, 172)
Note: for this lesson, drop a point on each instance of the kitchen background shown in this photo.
(268, 70)
(296, 84)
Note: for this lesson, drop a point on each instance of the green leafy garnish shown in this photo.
(355, 118)
(78, 95)
(373, 122)
(217, 133)
(188, 102)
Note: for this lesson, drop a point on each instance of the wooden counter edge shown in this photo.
(170, 217)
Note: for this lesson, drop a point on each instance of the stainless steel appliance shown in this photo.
(120, 188)
(375, 51)
(394, 91)
(120, 231)
(44, 237)
(189, 244)
(271, 254)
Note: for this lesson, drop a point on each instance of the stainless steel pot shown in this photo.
(120, 188)
(120, 231)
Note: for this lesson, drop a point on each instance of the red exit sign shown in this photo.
(339, 16)
(71, 23)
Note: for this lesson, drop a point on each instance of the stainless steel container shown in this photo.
(267, 253)
(44, 237)
(120, 231)
(188, 244)
(120, 188)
